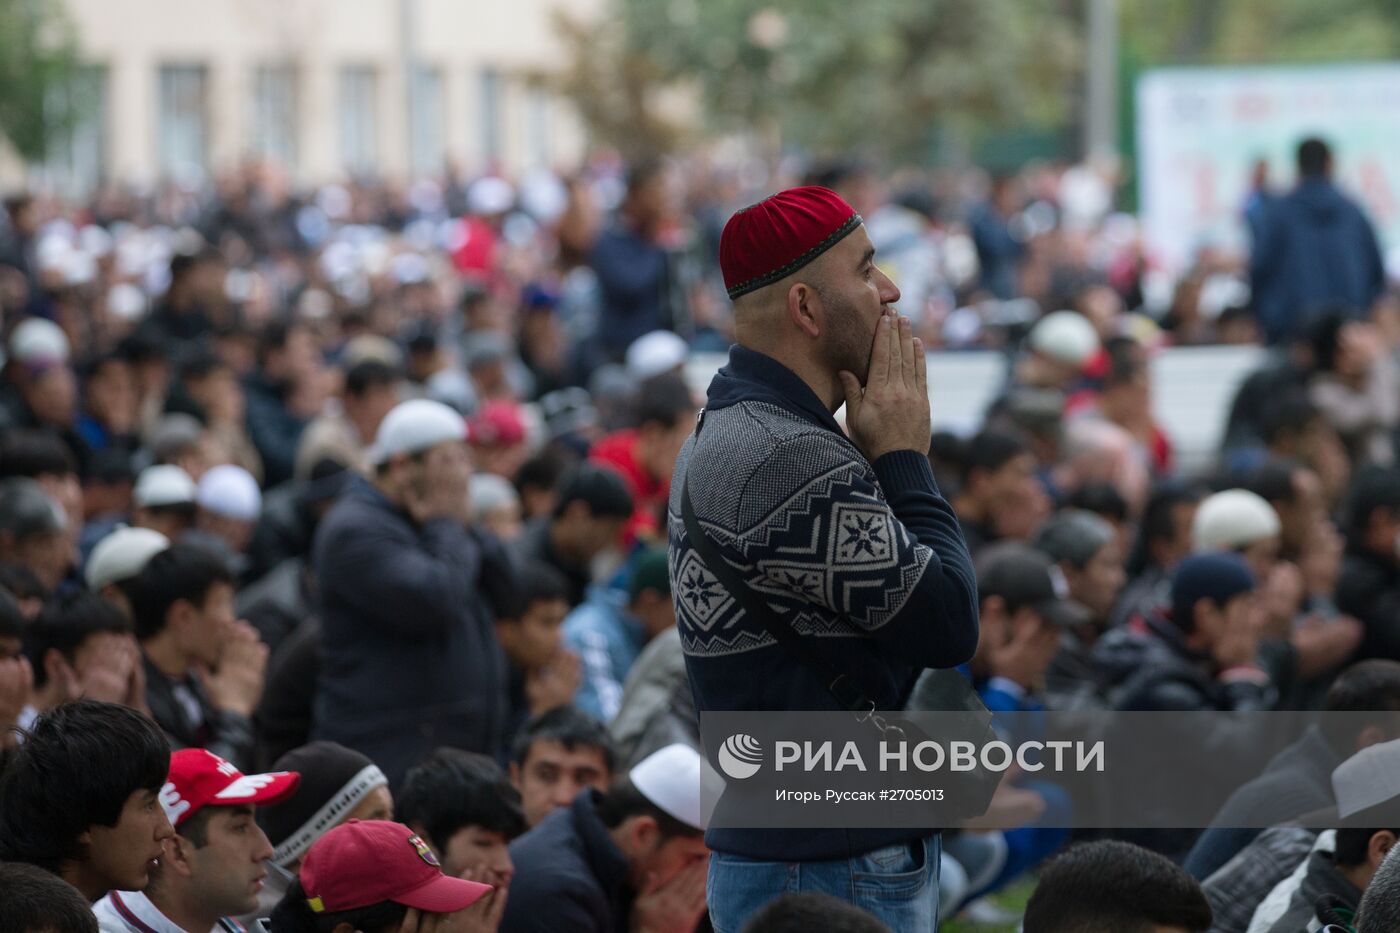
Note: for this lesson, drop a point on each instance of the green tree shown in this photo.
(882, 77)
(38, 62)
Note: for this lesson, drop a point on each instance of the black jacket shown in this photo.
(1369, 590)
(1149, 667)
(223, 732)
(570, 877)
(409, 653)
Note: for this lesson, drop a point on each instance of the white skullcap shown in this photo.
(230, 491)
(490, 195)
(670, 778)
(126, 302)
(490, 492)
(1065, 337)
(1367, 778)
(122, 555)
(1232, 519)
(163, 484)
(655, 353)
(416, 425)
(38, 341)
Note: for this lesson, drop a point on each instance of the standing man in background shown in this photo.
(848, 536)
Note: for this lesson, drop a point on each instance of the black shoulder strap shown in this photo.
(845, 691)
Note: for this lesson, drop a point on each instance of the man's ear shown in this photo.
(513, 772)
(1379, 846)
(643, 834)
(59, 671)
(176, 858)
(804, 309)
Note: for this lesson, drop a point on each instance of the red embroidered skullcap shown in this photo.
(776, 237)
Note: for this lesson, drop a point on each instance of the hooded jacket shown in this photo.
(1314, 249)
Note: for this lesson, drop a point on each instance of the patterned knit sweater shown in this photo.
(866, 561)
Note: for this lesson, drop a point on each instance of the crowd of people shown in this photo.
(334, 587)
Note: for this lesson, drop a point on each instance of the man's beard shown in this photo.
(848, 342)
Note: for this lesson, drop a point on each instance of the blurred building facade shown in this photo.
(183, 88)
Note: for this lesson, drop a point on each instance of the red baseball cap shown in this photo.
(198, 778)
(497, 424)
(364, 862)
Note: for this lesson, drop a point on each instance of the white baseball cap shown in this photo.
(1232, 519)
(1065, 337)
(670, 778)
(122, 555)
(163, 484)
(416, 425)
(1367, 779)
(230, 491)
(654, 353)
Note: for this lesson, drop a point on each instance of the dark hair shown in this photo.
(181, 571)
(536, 582)
(542, 471)
(1353, 843)
(1292, 413)
(34, 454)
(664, 400)
(68, 621)
(1324, 336)
(369, 374)
(20, 582)
(451, 789)
(1272, 481)
(642, 172)
(623, 799)
(75, 769)
(989, 451)
(1314, 157)
(1125, 361)
(110, 465)
(13, 624)
(1366, 687)
(1118, 886)
(37, 901)
(201, 365)
(1102, 499)
(805, 911)
(600, 488)
(1156, 523)
(571, 727)
(1372, 488)
(293, 915)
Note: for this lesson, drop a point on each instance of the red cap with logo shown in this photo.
(198, 778)
(364, 862)
(777, 236)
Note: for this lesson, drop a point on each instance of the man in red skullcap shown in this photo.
(841, 533)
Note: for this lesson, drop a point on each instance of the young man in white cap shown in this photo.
(118, 558)
(632, 858)
(407, 589)
(212, 868)
(164, 500)
(229, 503)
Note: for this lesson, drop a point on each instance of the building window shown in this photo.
(184, 121)
(274, 125)
(492, 87)
(537, 112)
(427, 113)
(359, 119)
(77, 160)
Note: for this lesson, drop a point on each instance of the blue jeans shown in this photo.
(898, 884)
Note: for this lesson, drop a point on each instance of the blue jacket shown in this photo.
(866, 561)
(607, 640)
(1314, 249)
(570, 877)
(633, 282)
(411, 660)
